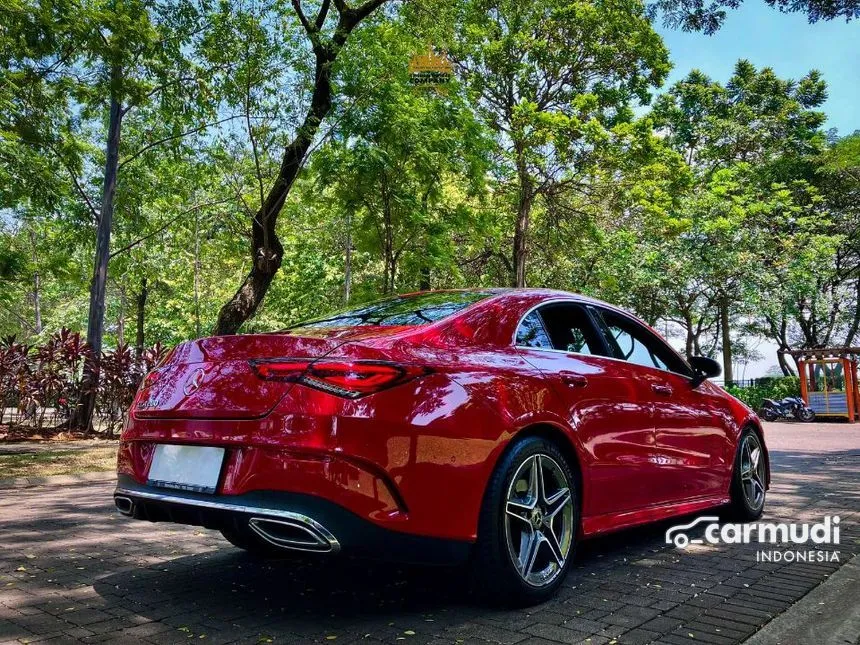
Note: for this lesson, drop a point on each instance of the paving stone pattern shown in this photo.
(73, 570)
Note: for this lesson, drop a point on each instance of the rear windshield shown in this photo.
(417, 309)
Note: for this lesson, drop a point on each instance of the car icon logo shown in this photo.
(676, 534)
(193, 382)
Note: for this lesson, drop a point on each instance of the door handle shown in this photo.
(573, 379)
(662, 390)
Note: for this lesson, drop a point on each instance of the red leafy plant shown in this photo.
(45, 384)
(120, 375)
(14, 379)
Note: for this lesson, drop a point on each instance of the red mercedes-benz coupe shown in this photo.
(495, 425)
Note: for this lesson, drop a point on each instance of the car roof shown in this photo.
(540, 294)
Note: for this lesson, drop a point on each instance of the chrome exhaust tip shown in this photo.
(296, 534)
(124, 505)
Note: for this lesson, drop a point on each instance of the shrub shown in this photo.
(121, 374)
(43, 385)
(776, 388)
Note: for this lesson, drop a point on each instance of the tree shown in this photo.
(708, 15)
(402, 162)
(79, 70)
(327, 33)
(552, 80)
(760, 125)
(812, 299)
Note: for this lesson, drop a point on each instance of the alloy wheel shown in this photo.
(539, 520)
(752, 471)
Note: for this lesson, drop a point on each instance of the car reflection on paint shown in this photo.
(496, 426)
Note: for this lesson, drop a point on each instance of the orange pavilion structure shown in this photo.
(829, 381)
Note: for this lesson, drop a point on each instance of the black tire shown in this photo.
(742, 506)
(805, 414)
(767, 414)
(495, 576)
(241, 536)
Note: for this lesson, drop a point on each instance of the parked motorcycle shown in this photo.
(791, 407)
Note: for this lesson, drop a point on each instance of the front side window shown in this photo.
(415, 309)
(634, 343)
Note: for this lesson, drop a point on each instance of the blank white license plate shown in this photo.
(194, 468)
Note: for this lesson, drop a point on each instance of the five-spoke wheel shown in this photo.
(749, 482)
(539, 520)
(528, 524)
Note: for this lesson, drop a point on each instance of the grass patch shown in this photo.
(57, 462)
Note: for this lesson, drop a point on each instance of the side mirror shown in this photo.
(704, 368)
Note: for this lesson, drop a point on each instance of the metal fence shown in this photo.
(763, 381)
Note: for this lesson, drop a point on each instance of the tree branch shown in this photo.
(321, 16)
(363, 11)
(93, 211)
(173, 137)
(311, 30)
(164, 227)
(19, 317)
(258, 171)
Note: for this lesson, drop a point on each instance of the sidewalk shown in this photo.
(73, 569)
(828, 615)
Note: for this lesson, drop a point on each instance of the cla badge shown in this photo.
(192, 384)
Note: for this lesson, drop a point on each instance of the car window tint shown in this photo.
(631, 349)
(531, 332)
(414, 309)
(636, 344)
(570, 329)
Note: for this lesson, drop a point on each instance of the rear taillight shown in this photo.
(349, 379)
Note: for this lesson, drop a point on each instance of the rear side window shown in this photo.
(562, 326)
(531, 332)
(634, 343)
(415, 309)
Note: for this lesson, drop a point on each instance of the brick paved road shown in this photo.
(72, 570)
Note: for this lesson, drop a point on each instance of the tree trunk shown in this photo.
(728, 375)
(424, 284)
(387, 240)
(266, 249)
(120, 321)
(347, 270)
(855, 322)
(96, 318)
(783, 364)
(139, 337)
(521, 230)
(689, 345)
(197, 274)
(37, 303)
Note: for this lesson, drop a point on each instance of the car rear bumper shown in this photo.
(289, 521)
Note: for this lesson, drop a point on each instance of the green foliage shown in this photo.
(777, 389)
(724, 196)
(708, 15)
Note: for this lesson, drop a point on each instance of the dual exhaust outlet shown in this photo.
(289, 531)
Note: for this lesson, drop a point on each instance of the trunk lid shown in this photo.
(211, 378)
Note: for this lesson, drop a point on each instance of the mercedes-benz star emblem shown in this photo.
(192, 384)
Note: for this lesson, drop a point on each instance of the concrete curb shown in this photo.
(57, 480)
(828, 614)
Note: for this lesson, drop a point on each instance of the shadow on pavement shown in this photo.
(180, 578)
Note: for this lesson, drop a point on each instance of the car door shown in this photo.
(692, 442)
(604, 403)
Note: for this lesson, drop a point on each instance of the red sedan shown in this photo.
(498, 426)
